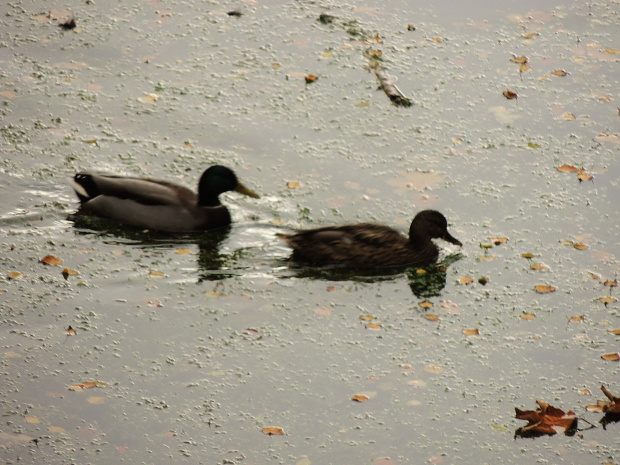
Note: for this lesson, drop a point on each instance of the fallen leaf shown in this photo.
(410, 27)
(559, 72)
(183, 251)
(610, 283)
(293, 185)
(465, 280)
(156, 274)
(612, 357)
(324, 311)
(544, 288)
(612, 51)
(367, 317)
(498, 240)
(527, 316)
(509, 94)
(546, 420)
(530, 35)
(71, 331)
(149, 98)
(521, 60)
(373, 326)
(567, 169)
(583, 176)
(609, 137)
(568, 117)
(613, 406)
(615, 332)
(359, 398)
(483, 280)
(576, 319)
(585, 392)
(66, 272)
(15, 275)
(310, 78)
(539, 267)
(273, 430)
(426, 304)
(433, 369)
(51, 260)
(528, 255)
(471, 332)
(431, 316)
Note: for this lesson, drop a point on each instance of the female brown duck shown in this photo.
(156, 204)
(369, 245)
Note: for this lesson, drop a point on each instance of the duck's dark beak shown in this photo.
(448, 238)
(246, 191)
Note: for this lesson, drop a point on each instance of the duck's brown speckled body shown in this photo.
(369, 245)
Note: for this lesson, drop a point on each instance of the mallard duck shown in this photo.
(369, 245)
(156, 204)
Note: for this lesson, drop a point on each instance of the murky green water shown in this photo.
(205, 341)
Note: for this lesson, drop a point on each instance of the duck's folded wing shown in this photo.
(140, 190)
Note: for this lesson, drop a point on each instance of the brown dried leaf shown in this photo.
(509, 94)
(583, 176)
(71, 331)
(576, 319)
(567, 169)
(66, 272)
(466, 280)
(51, 260)
(521, 60)
(431, 317)
(471, 332)
(426, 304)
(310, 78)
(610, 283)
(559, 72)
(527, 316)
(612, 357)
(615, 332)
(569, 117)
(613, 406)
(15, 275)
(273, 430)
(359, 398)
(528, 255)
(546, 420)
(539, 267)
(498, 240)
(373, 326)
(544, 288)
(293, 185)
(367, 317)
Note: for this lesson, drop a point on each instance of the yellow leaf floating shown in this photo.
(431, 317)
(465, 280)
(66, 272)
(613, 357)
(373, 326)
(359, 398)
(530, 35)
(608, 300)
(521, 60)
(567, 169)
(527, 316)
(544, 288)
(51, 260)
(539, 267)
(576, 319)
(15, 275)
(183, 251)
(367, 317)
(528, 255)
(568, 117)
(559, 72)
(471, 332)
(273, 430)
(293, 185)
(426, 304)
(156, 274)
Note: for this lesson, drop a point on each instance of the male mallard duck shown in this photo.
(156, 204)
(369, 245)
